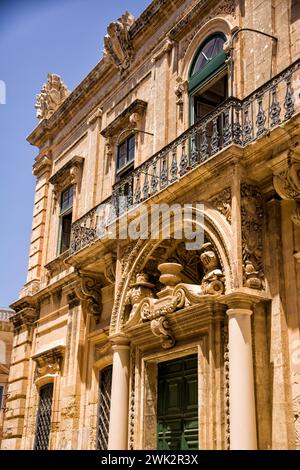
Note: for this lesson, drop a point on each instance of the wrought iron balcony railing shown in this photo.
(236, 121)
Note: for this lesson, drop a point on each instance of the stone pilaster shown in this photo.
(23, 323)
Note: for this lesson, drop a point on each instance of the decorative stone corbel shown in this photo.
(109, 147)
(179, 90)
(48, 362)
(135, 120)
(110, 267)
(88, 289)
(160, 327)
(286, 180)
(94, 116)
(286, 176)
(43, 163)
(165, 48)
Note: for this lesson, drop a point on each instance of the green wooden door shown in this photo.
(177, 423)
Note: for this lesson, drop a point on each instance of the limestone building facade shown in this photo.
(126, 343)
(6, 341)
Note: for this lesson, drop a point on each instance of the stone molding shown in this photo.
(43, 162)
(68, 174)
(123, 119)
(25, 317)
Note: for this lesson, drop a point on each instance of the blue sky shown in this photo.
(37, 37)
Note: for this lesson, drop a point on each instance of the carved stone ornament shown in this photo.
(175, 295)
(88, 289)
(165, 48)
(222, 202)
(252, 223)
(179, 90)
(52, 94)
(69, 174)
(48, 362)
(118, 48)
(25, 317)
(139, 290)
(287, 178)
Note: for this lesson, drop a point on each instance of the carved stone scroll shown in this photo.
(88, 289)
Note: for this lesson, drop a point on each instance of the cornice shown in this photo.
(59, 174)
(135, 107)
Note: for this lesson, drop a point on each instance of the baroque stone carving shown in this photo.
(222, 202)
(88, 289)
(118, 48)
(52, 94)
(287, 180)
(139, 290)
(48, 362)
(252, 223)
(227, 7)
(166, 47)
(176, 295)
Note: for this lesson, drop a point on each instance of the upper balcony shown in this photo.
(234, 122)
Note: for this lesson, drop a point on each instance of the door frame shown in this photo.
(149, 392)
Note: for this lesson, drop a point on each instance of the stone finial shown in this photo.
(52, 94)
(117, 44)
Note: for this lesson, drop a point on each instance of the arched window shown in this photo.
(208, 81)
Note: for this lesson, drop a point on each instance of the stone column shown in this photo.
(119, 409)
(241, 378)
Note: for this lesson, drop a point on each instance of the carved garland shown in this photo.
(252, 246)
(132, 399)
(222, 202)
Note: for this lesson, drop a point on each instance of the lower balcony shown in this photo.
(234, 123)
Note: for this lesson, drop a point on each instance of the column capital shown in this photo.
(119, 341)
(231, 312)
(243, 299)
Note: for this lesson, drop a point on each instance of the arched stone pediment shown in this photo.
(145, 254)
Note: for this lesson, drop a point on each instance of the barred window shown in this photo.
(105, 378)
(43, 423)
